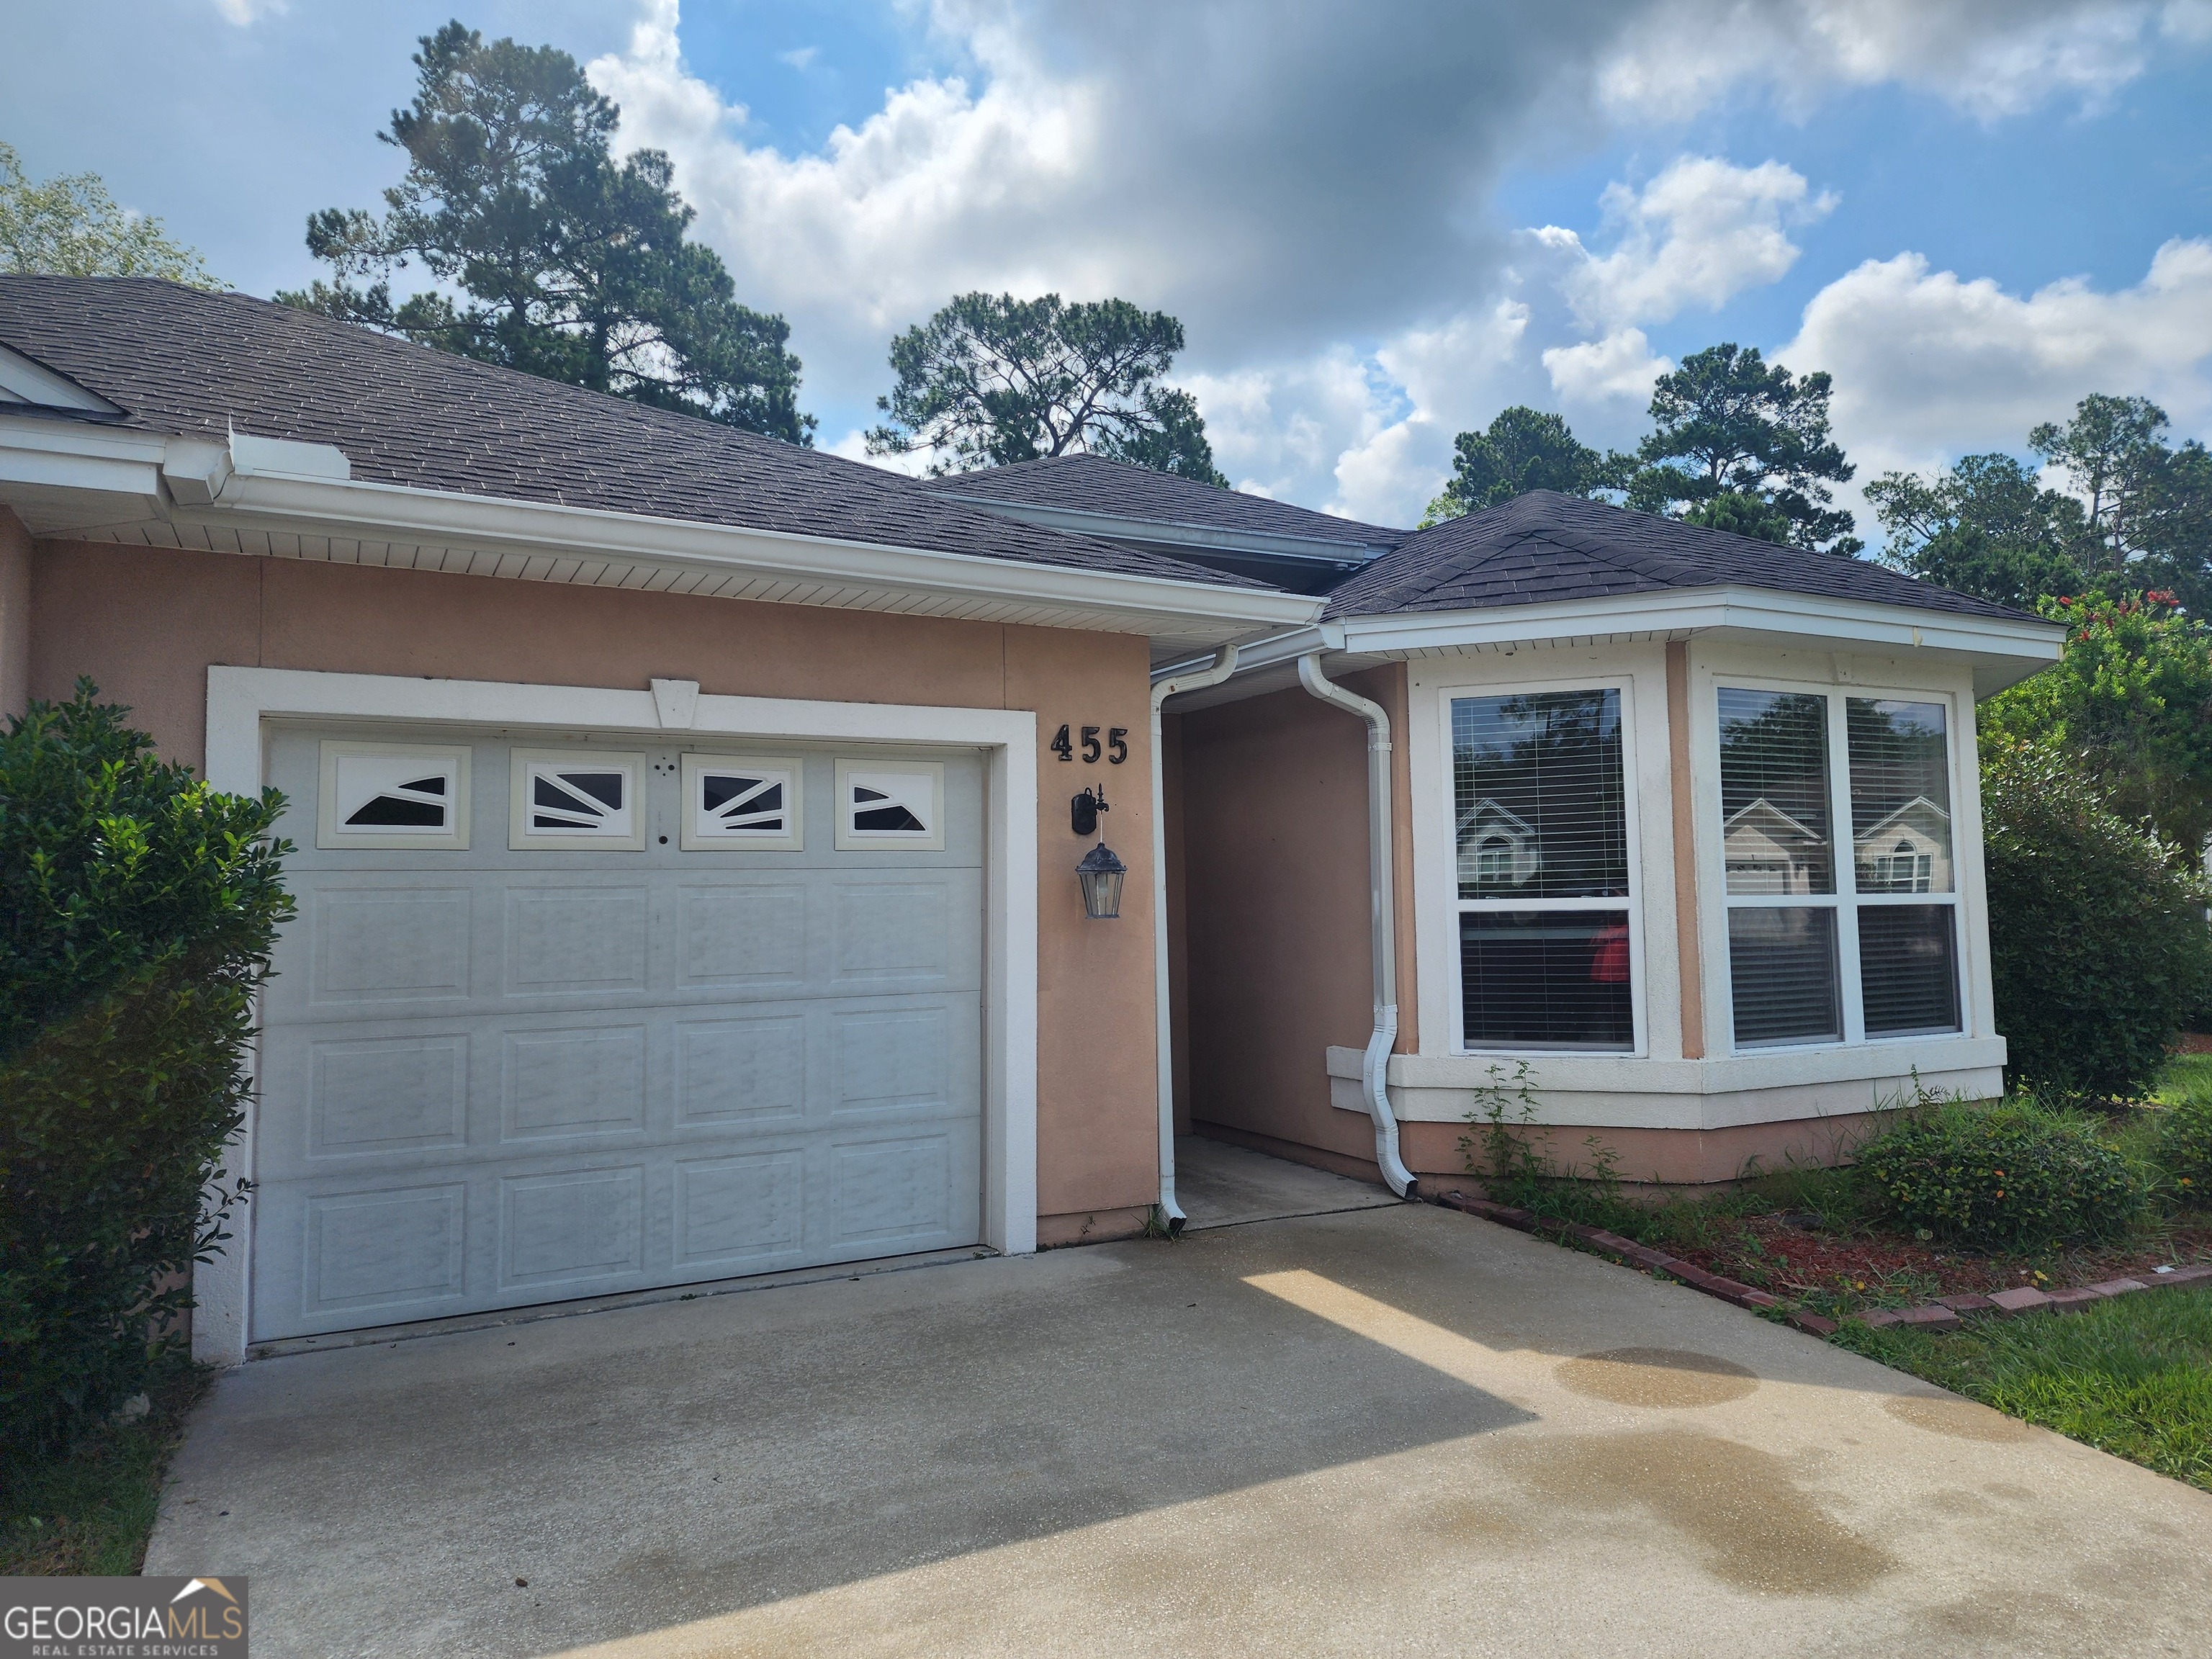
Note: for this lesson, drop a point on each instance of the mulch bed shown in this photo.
(1798, 1263)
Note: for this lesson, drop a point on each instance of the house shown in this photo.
(689, 824)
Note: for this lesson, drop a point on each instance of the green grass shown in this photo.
(2187, 1077)
(2132, 1376)
(91, 1510)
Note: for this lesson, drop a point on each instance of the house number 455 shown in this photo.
(1115, 748)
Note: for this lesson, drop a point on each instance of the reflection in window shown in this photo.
(1540, 811)
(1539, 797)
(1774, 793)
(1796, 937)
(1900, 796)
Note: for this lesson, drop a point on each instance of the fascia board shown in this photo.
(320, 507)
(1833, 622)
(1084, 521)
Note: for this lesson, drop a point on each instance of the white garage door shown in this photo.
(561, 1018)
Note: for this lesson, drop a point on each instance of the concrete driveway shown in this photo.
(1395, 1431)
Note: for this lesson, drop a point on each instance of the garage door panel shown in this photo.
(387, 943)
(396, 1253)
(576, 941)
(741, 1214)
(570, 1081)
(740, 1072)
(890, 934)
(384, 1095)
(741, 936)
(902, 1057)
(898, 1194)
(491, 1078)
(573, 1230)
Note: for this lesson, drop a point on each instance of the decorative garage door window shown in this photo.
(883, 804)
(568, 801)
(736, 802)
(394, 795)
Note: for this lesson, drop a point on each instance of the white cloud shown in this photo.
(1929, 365)
(1304, 188)
(1698, 234)
(1619, 368)
(799, 57)
(243, 14)
(1991, 58)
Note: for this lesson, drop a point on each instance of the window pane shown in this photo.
(1538, 796)
(1782, 967)
(1908, 969)
(1774, 792)
(1548, 979)
(1900, 797)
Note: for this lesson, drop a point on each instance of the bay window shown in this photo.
(1542, 869)
(1825, 946)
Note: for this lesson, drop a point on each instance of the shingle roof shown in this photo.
(1545, 546)
(1093, 483)
(182, 361)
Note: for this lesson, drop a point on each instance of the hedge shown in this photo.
(137, 910)
(2098, 943)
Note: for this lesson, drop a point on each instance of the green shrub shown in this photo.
(137, 908)
(2098, 943)
(2008, 1177)
(2184, 1147)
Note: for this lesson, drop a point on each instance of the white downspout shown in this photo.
(1373, 1083)
(1224, 664)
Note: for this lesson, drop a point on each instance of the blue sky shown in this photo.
(1379, 222)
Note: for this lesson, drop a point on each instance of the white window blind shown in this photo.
(1824, 948)
(1542, 861)
(1900, 781)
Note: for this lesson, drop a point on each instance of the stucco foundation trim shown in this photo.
(1604, 1092)
(239, 701)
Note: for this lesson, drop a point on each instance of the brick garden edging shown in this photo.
(1945, 1313)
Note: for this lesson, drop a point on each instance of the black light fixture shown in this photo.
(1101, 872)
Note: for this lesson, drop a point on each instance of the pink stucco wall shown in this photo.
(147, 625)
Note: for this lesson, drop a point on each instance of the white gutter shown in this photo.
(1384, 926)
(1263, 653)
(274, 486)
(1224, 664)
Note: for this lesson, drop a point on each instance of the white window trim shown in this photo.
(1846, 898)
(1445, 879)
(241, 700)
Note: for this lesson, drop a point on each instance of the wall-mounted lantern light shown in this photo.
(1101, 872)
